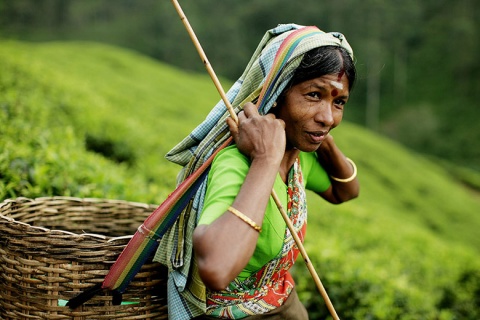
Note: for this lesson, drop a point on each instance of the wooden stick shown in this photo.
(233, 115)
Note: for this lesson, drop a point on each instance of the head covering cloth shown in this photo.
(267, 74)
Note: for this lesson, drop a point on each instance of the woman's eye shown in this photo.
(316, 95)
(339, 103)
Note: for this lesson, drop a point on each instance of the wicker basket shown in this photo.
(51, 249)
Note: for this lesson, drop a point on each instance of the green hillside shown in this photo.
(89, 120)
(60, 100)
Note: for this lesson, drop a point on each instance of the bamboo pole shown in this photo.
(233, 115)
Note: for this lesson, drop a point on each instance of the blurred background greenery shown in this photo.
(94, 93)
(418, 60)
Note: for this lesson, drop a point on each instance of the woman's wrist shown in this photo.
(349, 179)
(267, 160)
(338, 167)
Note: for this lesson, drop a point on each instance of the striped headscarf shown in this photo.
(267, 74)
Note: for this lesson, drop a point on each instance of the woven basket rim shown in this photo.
(25, 200)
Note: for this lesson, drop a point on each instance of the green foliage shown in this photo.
(70, 113)
(469, 177)
(377, 266)
(89, 120)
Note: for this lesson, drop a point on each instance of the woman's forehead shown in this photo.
(339, 81)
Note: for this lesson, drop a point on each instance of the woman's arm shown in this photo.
(335, 163)
(224, 247)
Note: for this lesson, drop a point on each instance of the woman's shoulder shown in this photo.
(315, 176)
(230, 155)
(307, 159)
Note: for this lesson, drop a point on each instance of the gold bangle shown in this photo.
(246, 219)
(353, 176)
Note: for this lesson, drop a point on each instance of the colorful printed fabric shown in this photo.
(270, 287)
(270, 68)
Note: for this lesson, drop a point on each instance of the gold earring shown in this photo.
(274, 104)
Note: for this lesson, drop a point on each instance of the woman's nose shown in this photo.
(324, 114)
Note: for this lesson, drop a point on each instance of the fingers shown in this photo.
(232, 125)
(250, 110)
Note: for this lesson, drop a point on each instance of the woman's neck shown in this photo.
(287, 162)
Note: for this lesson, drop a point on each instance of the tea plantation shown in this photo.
(90, 120)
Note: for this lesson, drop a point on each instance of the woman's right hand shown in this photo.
(224, 247)
(257, 136)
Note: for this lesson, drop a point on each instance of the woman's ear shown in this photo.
(274, 109)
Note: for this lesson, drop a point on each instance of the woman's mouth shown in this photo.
(317, 136)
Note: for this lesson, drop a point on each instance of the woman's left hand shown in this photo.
(336, 164)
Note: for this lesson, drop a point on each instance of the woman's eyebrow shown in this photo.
(317, 85)
(320, 85)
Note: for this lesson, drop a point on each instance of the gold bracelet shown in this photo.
(353, 176)
(246, 219)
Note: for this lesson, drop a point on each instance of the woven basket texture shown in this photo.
(51, 249)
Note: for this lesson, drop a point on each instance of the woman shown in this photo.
(300, 79)
(235, 259)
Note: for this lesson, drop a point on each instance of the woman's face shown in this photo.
(311, 109)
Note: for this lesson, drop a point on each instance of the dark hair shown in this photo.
(322, 61)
